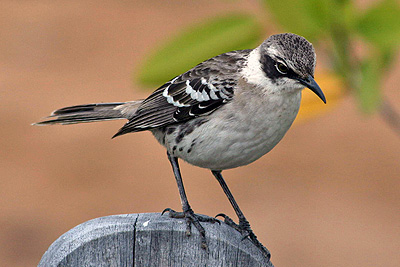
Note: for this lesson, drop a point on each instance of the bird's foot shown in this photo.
(244, 228)
(192, 218)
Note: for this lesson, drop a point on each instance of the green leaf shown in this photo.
(369, 93)
(388, 57)
(308, 18)
(198, 43)
(380, 24)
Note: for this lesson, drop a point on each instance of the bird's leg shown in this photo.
(187, 213)
(244, 226)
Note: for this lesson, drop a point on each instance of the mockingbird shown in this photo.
(226, 112)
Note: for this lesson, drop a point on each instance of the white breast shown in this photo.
(238, 133)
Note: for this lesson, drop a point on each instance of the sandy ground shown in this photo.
(327, 195)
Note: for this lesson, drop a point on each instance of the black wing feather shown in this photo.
(196, 92)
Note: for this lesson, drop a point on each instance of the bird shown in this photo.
(224, 113)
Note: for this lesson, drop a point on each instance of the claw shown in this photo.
(166, 210)
(220, 215)
(244, 228)
(192, 218)
(230, 222)
(174, 214)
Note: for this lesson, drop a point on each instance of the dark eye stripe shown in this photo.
(268, 66)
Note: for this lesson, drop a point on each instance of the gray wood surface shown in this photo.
(149, 239)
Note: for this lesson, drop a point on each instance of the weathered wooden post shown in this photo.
(149, 239)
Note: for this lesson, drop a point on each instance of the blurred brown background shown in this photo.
(327, 195)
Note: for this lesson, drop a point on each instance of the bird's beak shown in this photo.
(310, 83)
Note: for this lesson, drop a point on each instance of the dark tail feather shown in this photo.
(91, 113)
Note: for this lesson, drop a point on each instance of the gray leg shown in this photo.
(243, 226)
(188, 214)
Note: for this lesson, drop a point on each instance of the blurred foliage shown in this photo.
(311, 106)
(360, 44)
(198, 43)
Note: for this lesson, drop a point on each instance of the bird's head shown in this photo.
(285, 62)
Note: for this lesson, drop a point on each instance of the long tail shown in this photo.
(92, 113)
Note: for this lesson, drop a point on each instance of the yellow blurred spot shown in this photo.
(311, 106)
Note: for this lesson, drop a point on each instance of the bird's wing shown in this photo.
(194, 93)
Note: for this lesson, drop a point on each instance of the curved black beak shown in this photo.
(310, 83)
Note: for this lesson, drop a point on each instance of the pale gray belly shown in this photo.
(220, 142)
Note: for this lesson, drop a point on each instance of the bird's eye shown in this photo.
(282, 68)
